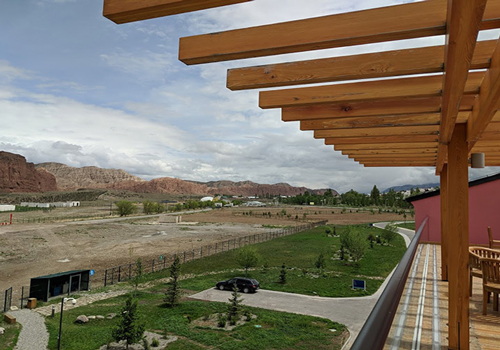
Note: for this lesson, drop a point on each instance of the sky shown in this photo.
(78, 89)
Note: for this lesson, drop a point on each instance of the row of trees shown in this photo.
(125, 207)
(353, 198)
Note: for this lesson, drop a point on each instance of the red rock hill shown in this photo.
(17, 175)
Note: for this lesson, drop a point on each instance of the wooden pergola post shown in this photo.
(458, 228)
(444, 222)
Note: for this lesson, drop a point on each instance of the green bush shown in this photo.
(125, 208)
(155, 343)
(390, 232)
(247, 257)
(354, 242)
(221, 320)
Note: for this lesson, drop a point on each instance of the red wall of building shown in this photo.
(484, 210)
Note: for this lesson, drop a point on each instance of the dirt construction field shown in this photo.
(31, 250)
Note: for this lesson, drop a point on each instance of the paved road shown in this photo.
(351, 312)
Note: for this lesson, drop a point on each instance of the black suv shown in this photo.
(244, 285)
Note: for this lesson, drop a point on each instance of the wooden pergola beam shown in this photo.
(370, 122)
(398, 22)
(487, 102)
(402, 164)
(463, 24)
(370, 132)
(427, 86)
(389, 152)
(389, 160)
(386, 146)
(377, 121)
(370, 108)
(380, 139)
(371, 65)
(125, 11)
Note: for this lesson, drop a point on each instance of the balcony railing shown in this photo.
(374, 333)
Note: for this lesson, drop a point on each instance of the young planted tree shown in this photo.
(234, 308)
(247, 257)
(138, 274)
(354, 242)
(125, 208)
(390, 232)
(320, 262)
(283, 274)
(129, 327)
(173, 293)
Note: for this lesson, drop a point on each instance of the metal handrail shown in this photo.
(374, 333)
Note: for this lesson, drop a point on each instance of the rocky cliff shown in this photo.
(164, 185)
(249, 188)
(70, 178)
(17, 175)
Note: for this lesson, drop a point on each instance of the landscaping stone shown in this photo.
(2, 331)
(82, 319)
(149, 336)
(111, 316)
(100, 317)
(91, 317)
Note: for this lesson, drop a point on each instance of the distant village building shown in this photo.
(255, 204)
(7, 207)
(51, 205)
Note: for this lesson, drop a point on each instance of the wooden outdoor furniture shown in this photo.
(475, 256)
(492, 242)
(491, 281)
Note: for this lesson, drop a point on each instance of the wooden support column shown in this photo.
(445, 242)
(458, 228)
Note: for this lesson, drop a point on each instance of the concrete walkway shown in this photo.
(351, 312)
(34, 335)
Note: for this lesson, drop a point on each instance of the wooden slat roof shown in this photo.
(391, 108)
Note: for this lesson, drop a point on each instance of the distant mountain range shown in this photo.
(17, 175)
(409, 187)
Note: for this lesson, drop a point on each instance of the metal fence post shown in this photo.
(119, 273)
(184, 256)
(22, 297)
(153, 266)
(105, 277)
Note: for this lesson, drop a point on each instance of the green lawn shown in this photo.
(408, 225)
(9, 339)
(278, 330)
(299, 253)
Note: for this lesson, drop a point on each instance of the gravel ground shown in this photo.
(34, 335)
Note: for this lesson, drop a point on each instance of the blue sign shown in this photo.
(92, 272)
(359, 284)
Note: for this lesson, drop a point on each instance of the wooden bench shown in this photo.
(9, 319)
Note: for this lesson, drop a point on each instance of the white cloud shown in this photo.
(128, 103)
(146, 66)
